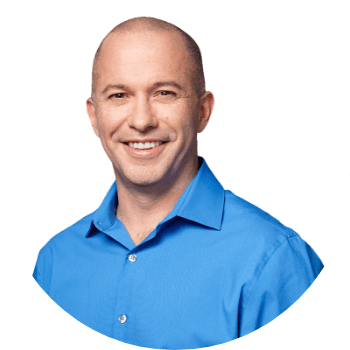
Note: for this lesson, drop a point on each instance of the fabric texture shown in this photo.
(215, 269)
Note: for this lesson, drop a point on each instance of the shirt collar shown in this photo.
(201, 202)
(204, 203)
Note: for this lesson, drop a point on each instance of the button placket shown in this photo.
(122, 318)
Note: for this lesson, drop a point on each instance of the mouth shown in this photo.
(145, 150)
(144, 145)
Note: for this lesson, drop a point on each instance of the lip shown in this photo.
(144, 153)
(144, 140)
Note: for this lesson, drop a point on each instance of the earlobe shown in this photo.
(90, 108)
(205, 109)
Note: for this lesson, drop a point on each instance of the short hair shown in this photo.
(151, 23)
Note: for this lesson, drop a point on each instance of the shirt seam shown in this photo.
(262, 270)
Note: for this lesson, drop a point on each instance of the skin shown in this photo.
(144, 91)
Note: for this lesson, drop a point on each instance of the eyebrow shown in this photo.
(155, 85)
(168, 83)
(113, 86)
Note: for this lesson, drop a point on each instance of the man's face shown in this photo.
(145, 96)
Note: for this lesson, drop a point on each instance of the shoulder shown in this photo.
(257, 236)
(71, 235)
(246, 219)
(61, 247)
(260, 239)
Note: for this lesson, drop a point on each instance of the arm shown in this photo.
(288, 273)
(43, 268)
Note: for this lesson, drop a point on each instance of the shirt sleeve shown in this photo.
(289, 272)
(43, 269)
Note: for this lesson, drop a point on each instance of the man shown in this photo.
(169, 259)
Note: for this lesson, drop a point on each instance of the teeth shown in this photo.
(146, 145)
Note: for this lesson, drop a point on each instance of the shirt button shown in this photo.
(122, 318)
(132, 257)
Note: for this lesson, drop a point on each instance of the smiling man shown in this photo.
(170, 259)
(147, 111)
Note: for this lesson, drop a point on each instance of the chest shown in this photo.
(171, 295)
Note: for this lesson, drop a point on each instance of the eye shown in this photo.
(166, 93)
(118, 95)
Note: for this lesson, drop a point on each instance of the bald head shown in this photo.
(144, 24)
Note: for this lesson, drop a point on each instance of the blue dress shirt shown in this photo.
(215, 269)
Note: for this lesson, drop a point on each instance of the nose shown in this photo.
(142, 116)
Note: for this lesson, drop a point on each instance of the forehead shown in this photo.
(143, 57)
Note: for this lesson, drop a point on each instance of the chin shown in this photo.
(142, 180)
(144, 177)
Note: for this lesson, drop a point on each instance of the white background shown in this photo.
(279, 71)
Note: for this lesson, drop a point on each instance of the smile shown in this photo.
(144, 149)
(144, 145)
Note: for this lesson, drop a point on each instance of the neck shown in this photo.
(141, 208)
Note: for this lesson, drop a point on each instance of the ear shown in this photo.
(90, 108)
(206, 105)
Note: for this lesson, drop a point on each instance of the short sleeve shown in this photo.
(43, 268)
(288, 273)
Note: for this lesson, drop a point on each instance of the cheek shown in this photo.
(189, 123)
(179, 116)
(187, 130)
(108, 122)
